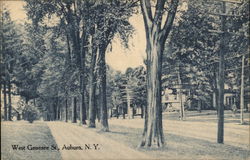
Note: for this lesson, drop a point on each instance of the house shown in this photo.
(172, 100)
(230, 98)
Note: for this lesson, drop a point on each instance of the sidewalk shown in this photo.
(101, 147)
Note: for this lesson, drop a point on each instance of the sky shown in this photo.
(118, 58)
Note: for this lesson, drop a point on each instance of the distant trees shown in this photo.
(127, 91)
(11, 47)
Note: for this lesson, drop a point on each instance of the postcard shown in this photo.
(124, 79)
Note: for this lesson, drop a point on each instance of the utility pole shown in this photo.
(242, 90)
(221, 69)
(220, 132)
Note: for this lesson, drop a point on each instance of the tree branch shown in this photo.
(147, 13)
(170, 19)
(158, 12)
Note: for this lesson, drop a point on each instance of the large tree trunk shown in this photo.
(83, 115)
(74, 114)
(82, 55)
(92, 88)
(5, 101)
(92, 105)
(156, 35)
(79, 53)
(103, 100)
(153, 130)
(10, 105)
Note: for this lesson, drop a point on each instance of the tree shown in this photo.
(156, 35)
(71, 14)
(92, 80)
(111, 18)
(134, 89)
(11, 47)
(27, 73)
(188, 59)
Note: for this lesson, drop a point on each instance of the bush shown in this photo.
(30, 113)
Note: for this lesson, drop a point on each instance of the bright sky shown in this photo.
(118, 58)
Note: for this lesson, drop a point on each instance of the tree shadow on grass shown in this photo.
(178, 147)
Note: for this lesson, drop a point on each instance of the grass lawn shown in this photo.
(178, 147)
(186, 139)
(23, 133)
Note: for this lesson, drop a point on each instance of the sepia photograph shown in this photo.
(125, 79)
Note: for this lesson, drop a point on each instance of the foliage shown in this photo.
(30, 112)
(27, 71)
(11, 47)
(194, 45)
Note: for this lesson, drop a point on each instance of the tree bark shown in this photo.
(92, 106)
(83, 116)
(92, 88)
(153, 130)
(9, 105)
(5, 101)
(82, 55)
(74, 114)
(103, 100)
(156, 35)
(79, 52)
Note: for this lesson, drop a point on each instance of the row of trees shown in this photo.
(58, 61)
(88, 28)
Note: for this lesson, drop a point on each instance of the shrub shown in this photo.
(31, 113)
